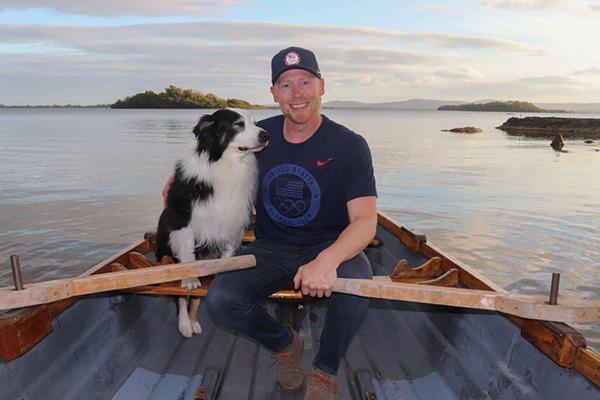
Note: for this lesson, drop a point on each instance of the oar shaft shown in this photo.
(569, 310)
(46, 292)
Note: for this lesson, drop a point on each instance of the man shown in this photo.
(315, 213)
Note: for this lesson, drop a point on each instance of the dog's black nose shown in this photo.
(263, 136)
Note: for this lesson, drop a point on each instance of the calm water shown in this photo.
(78, 185)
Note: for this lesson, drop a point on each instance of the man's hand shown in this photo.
(165, 192)
(317, 277)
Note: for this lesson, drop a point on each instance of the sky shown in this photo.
(98, 51)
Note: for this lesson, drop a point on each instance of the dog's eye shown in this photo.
(239, 124)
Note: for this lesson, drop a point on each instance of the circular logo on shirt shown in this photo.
(291, 195)
(292, 58)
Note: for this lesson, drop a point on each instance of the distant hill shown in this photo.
(345, 104)
(508, 106)
(413, 104)
(175, 97)
(574, 107)
(424, 104)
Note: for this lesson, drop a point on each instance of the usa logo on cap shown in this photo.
(292, 58)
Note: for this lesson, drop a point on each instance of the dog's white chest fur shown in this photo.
(222, 217)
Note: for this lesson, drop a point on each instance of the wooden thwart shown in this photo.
(567, 310)
(47, 292)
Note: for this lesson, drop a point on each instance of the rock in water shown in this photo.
(558, 143)
(466, 129)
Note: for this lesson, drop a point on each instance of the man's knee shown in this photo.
(223, 301)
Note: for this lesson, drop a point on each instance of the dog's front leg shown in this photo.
(194, 306)
(184, 323)
(228, 252)
(183, 246)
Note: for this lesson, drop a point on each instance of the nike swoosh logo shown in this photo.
(321, 163)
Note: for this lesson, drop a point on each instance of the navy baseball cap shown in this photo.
(294, 58)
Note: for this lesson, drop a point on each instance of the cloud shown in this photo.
(527, 5)
(463, 74)
(116, 8)
(260, 32)
(593, 71)
(552, 81)
(554, 90)
(560, 5)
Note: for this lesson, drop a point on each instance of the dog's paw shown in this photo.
(196, 328)
(190, 283)
(185, 329)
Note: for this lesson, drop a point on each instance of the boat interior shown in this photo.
(126, 346)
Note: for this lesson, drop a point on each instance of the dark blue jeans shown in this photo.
(232, 298)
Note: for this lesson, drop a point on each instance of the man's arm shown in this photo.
(317, 277)
(165, 192)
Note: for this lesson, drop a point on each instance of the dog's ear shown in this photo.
(205, 122)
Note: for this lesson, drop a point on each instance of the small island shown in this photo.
(503, 106)
(176, 97)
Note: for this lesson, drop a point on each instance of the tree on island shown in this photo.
(510, 106)
(176, 97)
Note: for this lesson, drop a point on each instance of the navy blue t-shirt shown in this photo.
(304, 188)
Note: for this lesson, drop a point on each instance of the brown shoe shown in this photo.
(321, 386)
(291, 374)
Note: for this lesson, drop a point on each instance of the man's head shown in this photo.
(297, 85)
(294, 58)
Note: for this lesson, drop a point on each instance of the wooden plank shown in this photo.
(569, 310)
(587, 361)
(47, 292)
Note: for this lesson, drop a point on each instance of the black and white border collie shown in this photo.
(211, 198)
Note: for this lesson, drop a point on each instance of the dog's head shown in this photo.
(229, 130)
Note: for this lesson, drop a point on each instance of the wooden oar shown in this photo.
(47, 292)
(531, 307)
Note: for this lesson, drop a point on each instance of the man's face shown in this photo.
(298, 93)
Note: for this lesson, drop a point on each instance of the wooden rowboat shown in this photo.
(125, 344)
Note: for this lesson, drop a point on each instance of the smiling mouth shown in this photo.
(298, 106)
